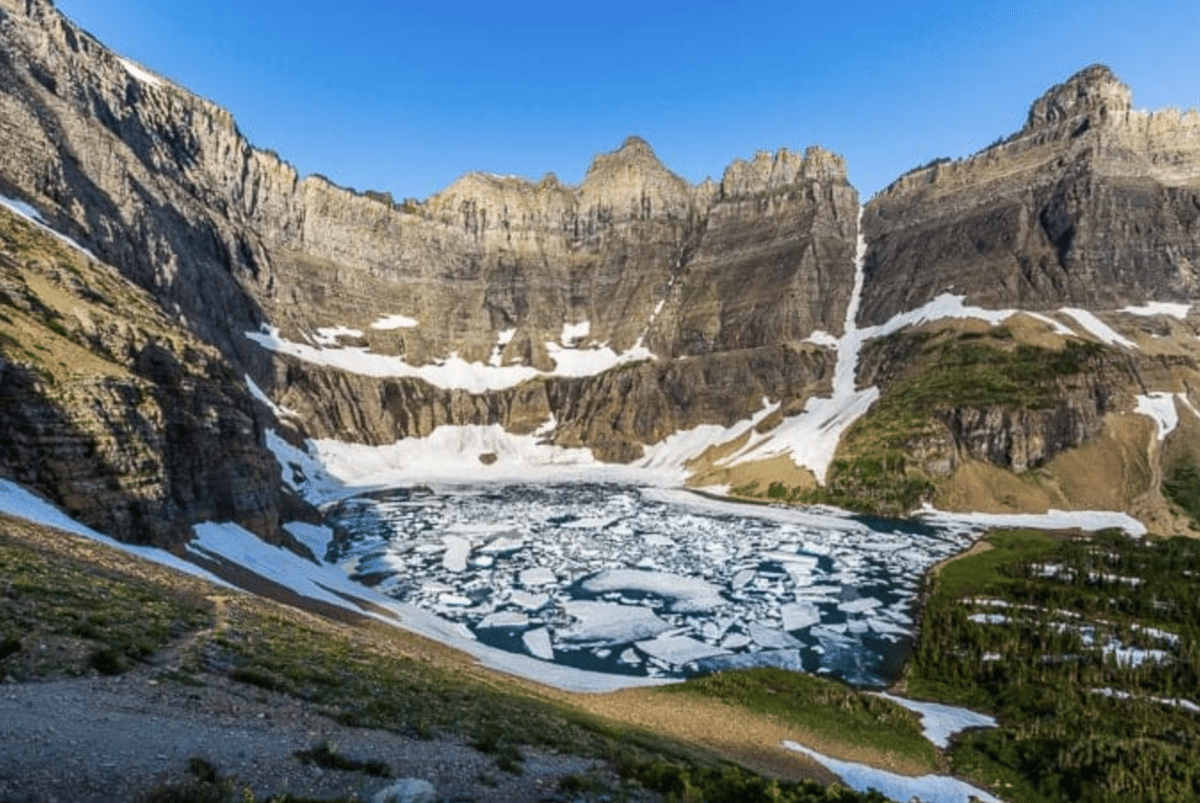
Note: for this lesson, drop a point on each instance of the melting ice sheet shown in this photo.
(648, 582)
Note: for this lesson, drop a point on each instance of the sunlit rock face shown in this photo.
(1091, 204)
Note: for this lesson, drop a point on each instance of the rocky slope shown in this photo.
(636, 306)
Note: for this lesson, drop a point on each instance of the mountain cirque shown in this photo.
(636, 306)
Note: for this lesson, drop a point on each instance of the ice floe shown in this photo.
(900, 788)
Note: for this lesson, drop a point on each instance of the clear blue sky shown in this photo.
(406, 96)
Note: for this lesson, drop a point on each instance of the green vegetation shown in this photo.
(817, 705)
(82, 616)
(1182, 486)
(943, 372)
(1081, 646)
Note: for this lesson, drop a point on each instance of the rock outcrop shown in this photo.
(1091, 204)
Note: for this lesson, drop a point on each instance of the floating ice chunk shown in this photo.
(799, 615)
(528, 601)
(691, 594)
(859, 605)
(1098, 328)
(742, 578)
(503, 545)
(504, 619)
(1161, 408)
(630, 657)
(537, 576)
(786, 557)
(885, 627)
(735, 641)
(775, 659)
(940, 722)
(395, 322)
(658, 539)
(610, 624)
(454, 600)
(458, 549)
(678, 650)
(926, 788)
(538, 643)
(771, 638)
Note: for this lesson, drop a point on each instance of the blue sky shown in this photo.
(404, 97)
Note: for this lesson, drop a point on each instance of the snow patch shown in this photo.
(141, 73)
(926, 788)
(940, 722)
(1097, 328)
(572, 333)
(395, 322)
(258, 393)
(1179, 311)
(22, 504)
(1161, 408)
(29, 213)
(1090, 520)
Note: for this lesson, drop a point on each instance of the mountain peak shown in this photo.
(1094, 93)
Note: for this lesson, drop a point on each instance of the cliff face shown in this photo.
(609, 315)
(1091, 204)
(114, 413)
(494, 270)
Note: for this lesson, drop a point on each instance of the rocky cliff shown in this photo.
(1091, 204)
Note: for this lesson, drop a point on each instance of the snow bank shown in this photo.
(21, 504)
(395, 322)
(328, 584)
(1161, 408)
(24, 210)
(902, 788)
(453, 372)
(1097, 328)
(1050, 520)
(1179, 311)
(940, 722)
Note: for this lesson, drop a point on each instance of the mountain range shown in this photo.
(182, 315)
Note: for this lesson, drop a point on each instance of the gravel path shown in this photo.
(106, 739)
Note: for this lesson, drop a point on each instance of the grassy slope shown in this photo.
(100, 609)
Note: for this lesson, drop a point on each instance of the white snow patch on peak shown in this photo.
(1179, 311)
(1098, 328)
(1058, 326)
(574, 332)
(1160, 407)
(395, 322)
(141, 73)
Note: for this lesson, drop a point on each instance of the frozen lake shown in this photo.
(645, 581)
